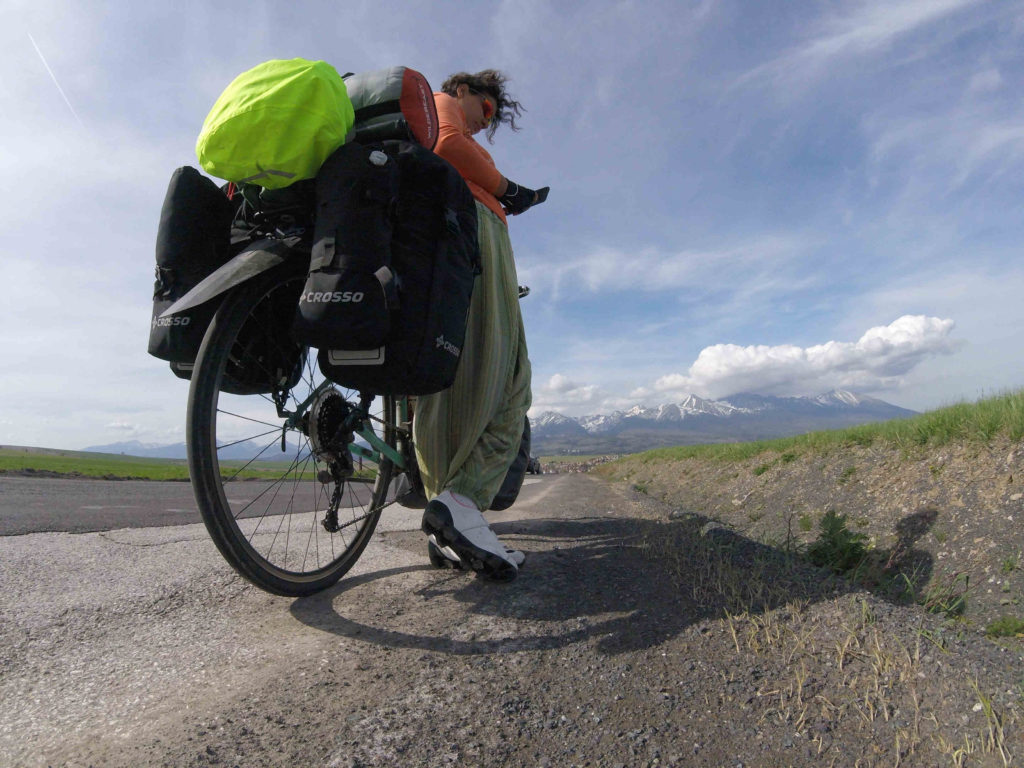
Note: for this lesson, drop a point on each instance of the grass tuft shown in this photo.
(1006, 626)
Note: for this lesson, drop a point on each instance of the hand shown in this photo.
(517, 198)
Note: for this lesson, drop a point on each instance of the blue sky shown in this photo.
(779, 197)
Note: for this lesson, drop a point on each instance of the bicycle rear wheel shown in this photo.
(271, 468)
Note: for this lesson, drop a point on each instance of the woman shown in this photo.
(468, 435)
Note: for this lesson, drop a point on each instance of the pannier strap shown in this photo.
(323, 254)
(370, 111)
(386, 278)
(451, 220)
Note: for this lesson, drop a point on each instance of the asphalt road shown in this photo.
(35, 505)
(112, 643)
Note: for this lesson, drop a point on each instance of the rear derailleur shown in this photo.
(328, 425)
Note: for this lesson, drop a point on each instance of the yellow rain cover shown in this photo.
(276, 123)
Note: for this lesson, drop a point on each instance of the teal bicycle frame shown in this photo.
(358, 422)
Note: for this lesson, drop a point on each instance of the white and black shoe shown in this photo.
(457, 525)
(445, 557)
(442, 557)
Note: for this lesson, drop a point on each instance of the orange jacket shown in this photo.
(456, 145)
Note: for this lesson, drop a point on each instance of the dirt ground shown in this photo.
(661, 619)
(949, 521)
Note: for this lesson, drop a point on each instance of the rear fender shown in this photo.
(261, 256)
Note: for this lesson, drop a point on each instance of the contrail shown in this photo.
(54, 78)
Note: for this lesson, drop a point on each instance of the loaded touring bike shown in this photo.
(290, 470)
(332, 295)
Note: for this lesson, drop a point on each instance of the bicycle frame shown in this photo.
(358, 423)
(380, 447)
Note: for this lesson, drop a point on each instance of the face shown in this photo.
(478, 107)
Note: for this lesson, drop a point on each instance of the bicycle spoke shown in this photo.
(280, 481)
(248, 418)
(268, 514)
(285, 516)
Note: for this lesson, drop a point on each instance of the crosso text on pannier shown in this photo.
(412, 271)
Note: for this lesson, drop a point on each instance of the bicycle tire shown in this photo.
(276, 540)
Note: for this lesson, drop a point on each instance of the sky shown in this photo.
(782, 197)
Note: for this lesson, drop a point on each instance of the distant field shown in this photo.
(24, 460)
(966, 422)
(571, 458)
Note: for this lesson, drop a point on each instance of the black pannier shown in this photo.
(350, 293)
(193, 240)
(265, 358)
(426, 275)
(201, 229)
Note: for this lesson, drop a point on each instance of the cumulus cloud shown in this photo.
(561, 384)
(876, 361)
(562, 394)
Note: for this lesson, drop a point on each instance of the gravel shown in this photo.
(633, 637)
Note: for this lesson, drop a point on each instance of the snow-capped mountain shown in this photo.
(669, 413)
(739, 417)
(693, 420)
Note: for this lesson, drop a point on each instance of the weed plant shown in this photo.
(837, 548)
(847, 555)
(1006, 626)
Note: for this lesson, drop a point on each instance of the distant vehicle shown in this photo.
(533, 466)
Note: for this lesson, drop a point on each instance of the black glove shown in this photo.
(518, 198)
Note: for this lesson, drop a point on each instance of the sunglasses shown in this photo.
(486, 104)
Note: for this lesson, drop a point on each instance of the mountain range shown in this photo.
(240, 452)
(694, 420)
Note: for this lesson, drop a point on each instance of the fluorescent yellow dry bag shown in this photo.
(276, 123)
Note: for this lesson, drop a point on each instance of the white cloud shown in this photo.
(122, 426)
(564, 395)
(877, 361)
(986, 81)
(561, 384)
(984, 297)
(873, 25)
(757, 261)
(869, 27)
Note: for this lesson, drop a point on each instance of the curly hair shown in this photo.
(490, 82)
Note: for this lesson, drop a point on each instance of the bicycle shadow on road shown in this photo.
(622, 583)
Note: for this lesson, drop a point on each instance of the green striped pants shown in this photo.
(467, 436)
